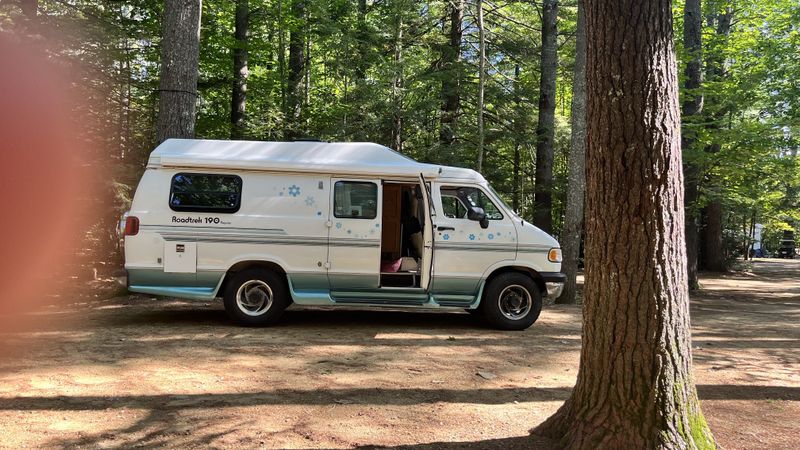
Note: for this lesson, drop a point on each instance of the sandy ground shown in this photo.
(136, 371)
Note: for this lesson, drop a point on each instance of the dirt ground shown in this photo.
(136, 371)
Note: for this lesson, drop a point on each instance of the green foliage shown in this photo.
(361, 77)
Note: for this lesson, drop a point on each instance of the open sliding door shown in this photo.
(427, 235)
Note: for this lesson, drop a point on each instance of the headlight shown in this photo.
(554, 255)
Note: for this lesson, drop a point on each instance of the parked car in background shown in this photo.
(787, 248)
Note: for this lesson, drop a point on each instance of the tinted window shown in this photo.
(471, 196)
(355, 200)
(205, 193)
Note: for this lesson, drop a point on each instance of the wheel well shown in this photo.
(244, 265)
(519, 269)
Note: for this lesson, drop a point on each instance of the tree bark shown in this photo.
(576, 187)
(713, 256)
(180, 49)
(481, 81)
(692, 108)
(451, 81)
(297, 62)
(635, 387)
(545, 130)
(240, 70)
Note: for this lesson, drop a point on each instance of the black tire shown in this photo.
(259, 282)
(513, 286)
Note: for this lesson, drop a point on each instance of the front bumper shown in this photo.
(554, 284)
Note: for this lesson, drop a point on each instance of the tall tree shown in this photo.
(297, 67)
(240, 70)
(518, 133)
(481, 80)
(713, 256)
(635, 387)
(692, 108)
(397, 84)
(180, 47)
(451, 81)
(362, 35)
(545, 130)
(576, 179)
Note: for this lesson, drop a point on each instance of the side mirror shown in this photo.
(478, 215)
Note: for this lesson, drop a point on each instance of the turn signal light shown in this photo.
(554, 255)
(131, 226)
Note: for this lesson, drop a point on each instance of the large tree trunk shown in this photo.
(240, 72)
(545, 130)
(635, 387)
(692, 107)
(451, 82)
(481, 81)
(576, 187)
(180, 49)
(297, 66)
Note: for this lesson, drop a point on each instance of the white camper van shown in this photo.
(267, 224)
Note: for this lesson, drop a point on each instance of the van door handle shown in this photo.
(445, 228)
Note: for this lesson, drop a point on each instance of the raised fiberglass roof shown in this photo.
(356, 158)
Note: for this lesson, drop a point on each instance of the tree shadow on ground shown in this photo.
(513, 443)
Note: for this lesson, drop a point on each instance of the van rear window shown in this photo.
(201, 192)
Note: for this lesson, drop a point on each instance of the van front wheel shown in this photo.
(512, 301)
(256, 297)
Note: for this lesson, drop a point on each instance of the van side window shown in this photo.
(468, 196)
(355, 200)
(200, 192)
(453, 207)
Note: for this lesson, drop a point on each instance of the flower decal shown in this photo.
(491, 236)
(338, 225)
(471, 237)
(310, 201)
(446, 237)
(294, 190)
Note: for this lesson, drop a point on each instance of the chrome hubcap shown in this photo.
(515, 302)
(254, 297)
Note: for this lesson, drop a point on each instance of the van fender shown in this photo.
(520, 266)
(248, 260)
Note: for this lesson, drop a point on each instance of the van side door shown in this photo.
(354, 237)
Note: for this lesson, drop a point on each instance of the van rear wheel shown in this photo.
(256, 297)
(512, 301)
